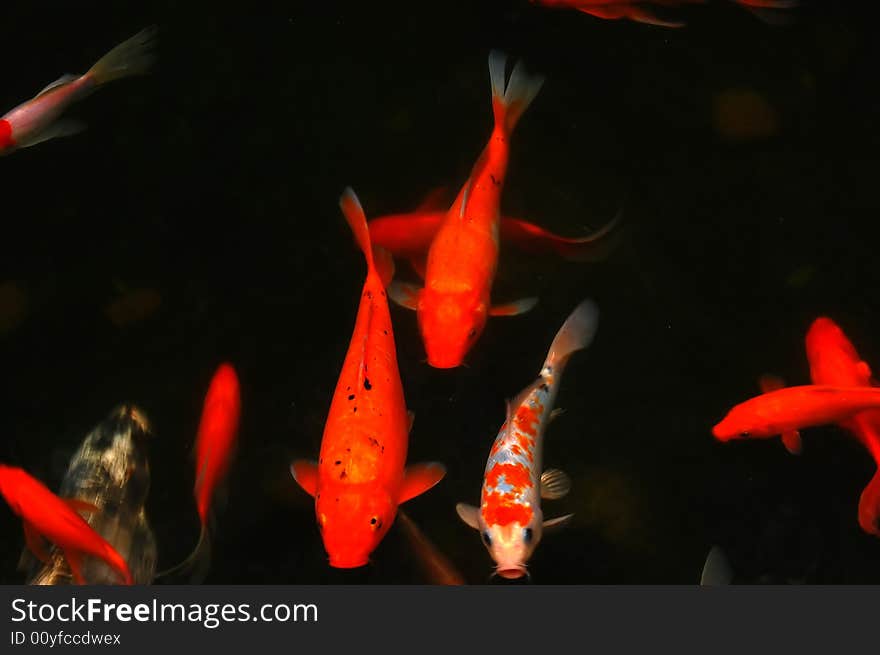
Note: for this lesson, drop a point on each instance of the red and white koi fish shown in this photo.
(409, 235)
(36, 120)
(45, 515)
(463, 257)
(214, 450)
(640, 10)
(509, 519)
(834, 360)
(785, 411)
(360, 478)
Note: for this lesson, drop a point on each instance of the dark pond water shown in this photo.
(744, 156)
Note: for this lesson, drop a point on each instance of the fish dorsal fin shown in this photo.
(306, 475)
(469, 514)
(419, 478)
(67, 78)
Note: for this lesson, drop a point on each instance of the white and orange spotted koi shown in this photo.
(509, 519)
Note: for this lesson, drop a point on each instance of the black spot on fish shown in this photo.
(367, 384)
(374, 441)
(354, 410)
(348, 450)
(494, 180)
(343, 474)
(337, 462)
(384, 331)
(351, 397)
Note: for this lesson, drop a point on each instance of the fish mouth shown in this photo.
(512, 572)
(348, 562)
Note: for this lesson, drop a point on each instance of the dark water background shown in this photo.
(215, 182)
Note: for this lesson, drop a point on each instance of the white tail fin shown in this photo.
(575, 334)
(510, 101)
(131, 57)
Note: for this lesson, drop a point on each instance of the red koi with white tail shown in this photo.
(510, 519)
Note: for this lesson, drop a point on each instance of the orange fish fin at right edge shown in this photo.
(792, 442)
(34, 542)
(306, 475)
(419, 478)
(869, 506)
(404, 294)
(514, 308)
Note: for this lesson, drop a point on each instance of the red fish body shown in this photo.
(463, 257)
(36, 120)
(360, 477)
(834, 360)
(792, 408)
(640, 10)
(45, 515)
(509, 519)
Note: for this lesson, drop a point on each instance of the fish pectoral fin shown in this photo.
(513, 308)
(863, 369)
(417, 479)
(57, 129)
(35, 543)
(792, 442)
(80, 506)
(305, 472)
(469, 514)
(410, 419)
(404, 294)
(559, 522)
(74, 561)
(555, 484)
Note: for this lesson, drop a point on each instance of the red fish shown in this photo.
(834, 360)
(360, 477)
(640, 10)
(36, 120)
(45, 515)
(463, 257)
(409, 235)
(214, 450)
(792, 408)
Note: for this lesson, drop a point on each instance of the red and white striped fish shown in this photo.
(509, 519)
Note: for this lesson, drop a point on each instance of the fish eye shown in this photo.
(487, 538)
(375, 523)
(527, 535)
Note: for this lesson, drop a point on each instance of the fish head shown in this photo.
(744, 421)
(450, 324)
(353, 519)
(512, 545)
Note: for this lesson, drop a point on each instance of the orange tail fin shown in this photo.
(379, 260)
(510, 101)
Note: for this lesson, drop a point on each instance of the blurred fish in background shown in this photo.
(110, 471)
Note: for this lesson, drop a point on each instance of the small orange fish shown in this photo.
(834, 360)
(787, 410)
(45, 515)
(463, 257)
(360, 478)
(36, 120)
(640, 10)
(409, 235)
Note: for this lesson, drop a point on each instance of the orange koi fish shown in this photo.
(36, 120)
(785, 411)
(834, 360)
(463, 257)
(45, 515)
(409, 235)
(360, 477)
(214, 450)
(640, 10)
(509, 519)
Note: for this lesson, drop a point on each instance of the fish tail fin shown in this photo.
(379, 260)
(197, 562)
(510, 101)
(131, 57)
(869, 506)
(575, 334)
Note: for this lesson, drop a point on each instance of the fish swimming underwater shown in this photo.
(434, 564)
(36, 120)
(454, 304)
(509, 519)
(409, 235)
(640, 10)
(46, 516)
(834, 360)
(785, 411)
(360, 479)
(110, 471)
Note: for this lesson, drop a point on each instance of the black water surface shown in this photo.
(215, 181)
